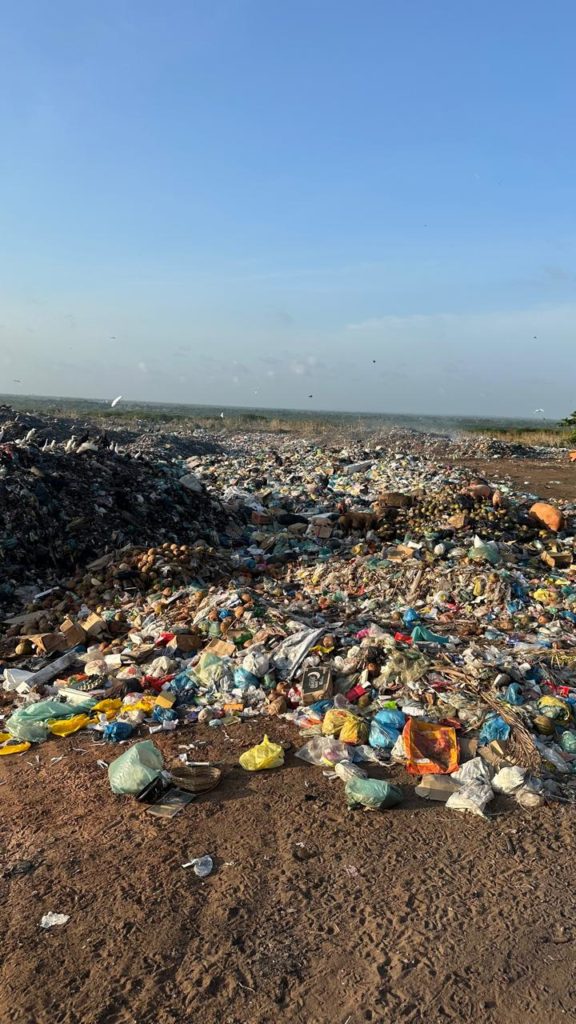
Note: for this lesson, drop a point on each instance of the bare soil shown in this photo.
(551, 481)
(313, 915)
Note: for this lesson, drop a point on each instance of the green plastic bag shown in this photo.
(264, 755)
(30, 723)
(135, 769)
(372, 793)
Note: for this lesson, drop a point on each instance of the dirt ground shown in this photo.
(549, 480)
(313, 915)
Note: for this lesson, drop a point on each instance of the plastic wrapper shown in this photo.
(372, 793)
(135, 769)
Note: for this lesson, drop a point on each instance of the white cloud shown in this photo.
(143, 367)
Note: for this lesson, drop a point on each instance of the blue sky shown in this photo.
(247, 202)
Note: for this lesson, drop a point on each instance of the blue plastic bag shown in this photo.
(391, 717)
(382, 736)
(410, 617)
(115, 732)
(243, 678)
(513, 694)
(494, 728)
(160, 714)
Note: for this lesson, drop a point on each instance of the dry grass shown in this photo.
(532, 436)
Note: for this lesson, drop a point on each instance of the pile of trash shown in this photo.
(404, 617)
(60, 509)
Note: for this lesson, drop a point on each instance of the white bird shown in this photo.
(538, 410)
(221, 415)
(115, 402)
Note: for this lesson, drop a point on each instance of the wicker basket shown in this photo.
(197, 778)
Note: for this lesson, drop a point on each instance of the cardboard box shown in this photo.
(316, 685)
(436, 787)
(185, 642)
(260, 518)
(46, 643)
(94, 625)
(220, 647)
(73, 632)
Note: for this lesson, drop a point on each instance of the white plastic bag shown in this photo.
(507, 780)
(257, 662)
(475, 770)
(345, 770)
(473, 797)
(324, 750)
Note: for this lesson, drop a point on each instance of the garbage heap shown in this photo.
(424, 632)
(61, 508)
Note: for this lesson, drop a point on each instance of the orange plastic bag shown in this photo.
(430, 749)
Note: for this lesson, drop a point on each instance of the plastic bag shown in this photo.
(354, 731)
(135, 769)
(382, 737)
(391, 717)
(264, 755)
(243, 678)
(333, 721)
(257, 662)
(323, 750)
(568, 742)
(472, 797)
(67, 726)
(29, 723)
(475, 770)
(372, 793)
(528, 798)
(345, 770)
(494, 728)
(11, 746)
(508, 779)
(430, 749)
(117, 731)
(555, 708)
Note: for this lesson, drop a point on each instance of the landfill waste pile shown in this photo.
(400, 615)
(138, 437)
(60, 508)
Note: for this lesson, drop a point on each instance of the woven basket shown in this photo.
(197, 779)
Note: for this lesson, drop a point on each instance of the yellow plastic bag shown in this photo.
(354, 730)
(264, 755)
(67, 726)
(554, 708)
(12, 747)
(109, 706)
(334, 720)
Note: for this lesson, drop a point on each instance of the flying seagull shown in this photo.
(115, 402)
